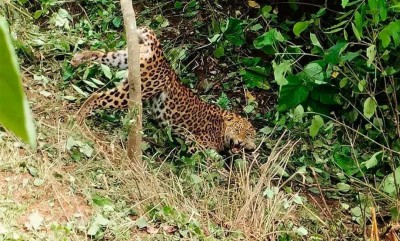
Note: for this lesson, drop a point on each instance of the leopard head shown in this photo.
(239, 133)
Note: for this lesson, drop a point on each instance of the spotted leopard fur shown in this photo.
(172, 102)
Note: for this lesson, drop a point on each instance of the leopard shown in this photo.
(172, 103)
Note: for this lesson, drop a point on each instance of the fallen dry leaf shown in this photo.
(35, 220)
(253, 4)
(170, 229)
(151, 230)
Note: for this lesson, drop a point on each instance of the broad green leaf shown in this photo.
(316, 123)
(314, 73)
(234, 31)
(299, 27)
(389, 185)
(292, 94)
(373, 161)
(326, 94)
(219, 52)
(265, 11)
(267, 39)
(314, 40)
(15, 114)
(344, 3)
(333, 54)
(141, 222)
(298, 112)
(369, 107)
(255, 77)
(371, 53)
(390, 32)
(280, 71)
(117, 21)
(342, 156)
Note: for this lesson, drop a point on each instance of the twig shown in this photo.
(328, 211)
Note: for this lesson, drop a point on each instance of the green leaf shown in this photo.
(117, 22)
(255, 77)
(97, 223)
(101, 201)
(369, 107)
(390, 32)
(344, 187)
(106, 71)
(389, 185)
(14, 110)
(373, 161)
(248, 108)
(234, 31)
(219, 52)
(298, 112)
(344, 3)
(359, 23)
(343, 158)
(316, 123)
(332, 55)
(265, 11)
(196, 179)
(355, 31)
(280, 71)
(314, 40)
(37, 14)
(178, 5)
(371, 53)
(79, 90)
(268, 193)
(314, 73)
(256, 27)
(292, 94)
(299, 27)
(267, 39)
(297, 199)
(141, 222)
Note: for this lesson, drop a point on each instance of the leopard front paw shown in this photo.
(85, 56)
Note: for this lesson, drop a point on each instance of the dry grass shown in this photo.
(65, 197)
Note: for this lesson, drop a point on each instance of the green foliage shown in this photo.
(14, 110)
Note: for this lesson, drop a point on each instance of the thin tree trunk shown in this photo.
(135, 92)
